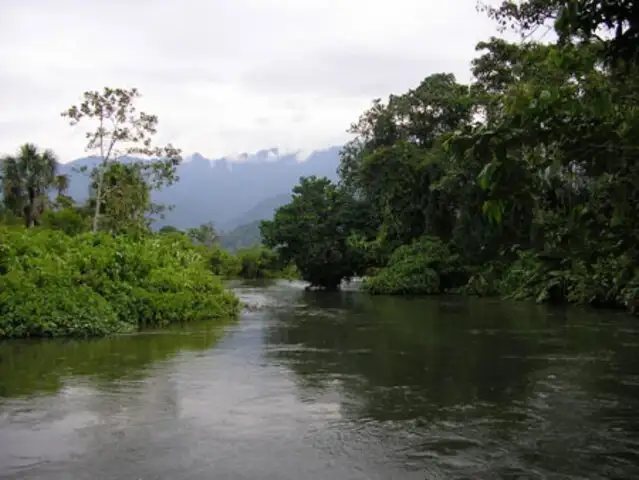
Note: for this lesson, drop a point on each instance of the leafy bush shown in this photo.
(52, 284)
(607, 281)
(222, 262)
(257, 262)
(69, 220)
(424, 267)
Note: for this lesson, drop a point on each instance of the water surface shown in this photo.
(332, 386)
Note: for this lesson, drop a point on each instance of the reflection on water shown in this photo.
(344, 386)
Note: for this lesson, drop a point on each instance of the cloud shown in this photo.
(225, 76)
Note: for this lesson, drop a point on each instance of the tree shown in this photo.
(166, 229)
(26, 180)
(205, 234)
(126, 198)
(523, 184)
(117, 130)
(614, 23)
(396, 157)
(313, 232)
(61, 184)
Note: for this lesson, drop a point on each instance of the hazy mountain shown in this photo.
(244, 236)
(263, 210)
(229, 193)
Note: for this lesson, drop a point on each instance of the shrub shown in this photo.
(257, 262)
(424, 267)
(69, 220)
(53, 284)
(222, 262)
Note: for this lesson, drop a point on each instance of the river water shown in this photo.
(332, 386)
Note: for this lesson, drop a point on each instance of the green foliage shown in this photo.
(222, 262)
(169, 229)
(26, 181)
(258, 262)
(205, 234)
(126, 198)
(578, 21)
(53, 284)
(69, 220)
(249, 263)
(313, 231)
(523, 184)
(426, 266)
(117, 130)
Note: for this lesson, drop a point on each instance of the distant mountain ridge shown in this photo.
(261, 211)
(244, 236)
(227, 191)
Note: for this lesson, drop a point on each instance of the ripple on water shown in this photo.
(321, 386)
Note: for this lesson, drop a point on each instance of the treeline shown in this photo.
(97, 268)
(524, 183)
(250, 263)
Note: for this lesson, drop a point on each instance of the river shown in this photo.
(332, 386)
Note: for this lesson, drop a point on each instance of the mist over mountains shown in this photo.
(228, 193)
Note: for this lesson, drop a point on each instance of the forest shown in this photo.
(522, 184)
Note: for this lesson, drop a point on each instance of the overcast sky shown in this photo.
(224, 76)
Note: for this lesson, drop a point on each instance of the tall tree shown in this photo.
(117, 129)
(313, 232)
(26, 180)
(205, 234)
(126, 199)
(396, 157)
(61, 183)
(613, 23)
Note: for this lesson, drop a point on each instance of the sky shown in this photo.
(224, 76)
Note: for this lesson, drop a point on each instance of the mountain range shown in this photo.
(230, 192)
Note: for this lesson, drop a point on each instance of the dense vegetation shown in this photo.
(94, 284)
(97, 268)
(251, 262)
(524, 183)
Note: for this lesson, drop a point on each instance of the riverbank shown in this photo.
(52, 284)
(430, 267)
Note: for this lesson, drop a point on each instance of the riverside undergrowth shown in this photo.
(52, 284)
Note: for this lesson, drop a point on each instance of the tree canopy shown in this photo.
(27, 179)
(522, 183)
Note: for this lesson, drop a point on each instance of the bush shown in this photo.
(222, 262)
(69, 220)
(425, 267)
(53, 284)
(258, 262)
(607, 281)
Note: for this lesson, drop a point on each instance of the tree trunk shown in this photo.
(98, 198)
(30, 209)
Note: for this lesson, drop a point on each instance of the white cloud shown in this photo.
(224, 76)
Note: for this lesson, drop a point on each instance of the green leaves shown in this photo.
(485, 176)
(531, 173)
(52, 284)
(425, 267)
(313, 230)
(118, 130)
(27, 179)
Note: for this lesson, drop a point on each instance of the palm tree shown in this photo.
(61, 184)
(26, 179)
